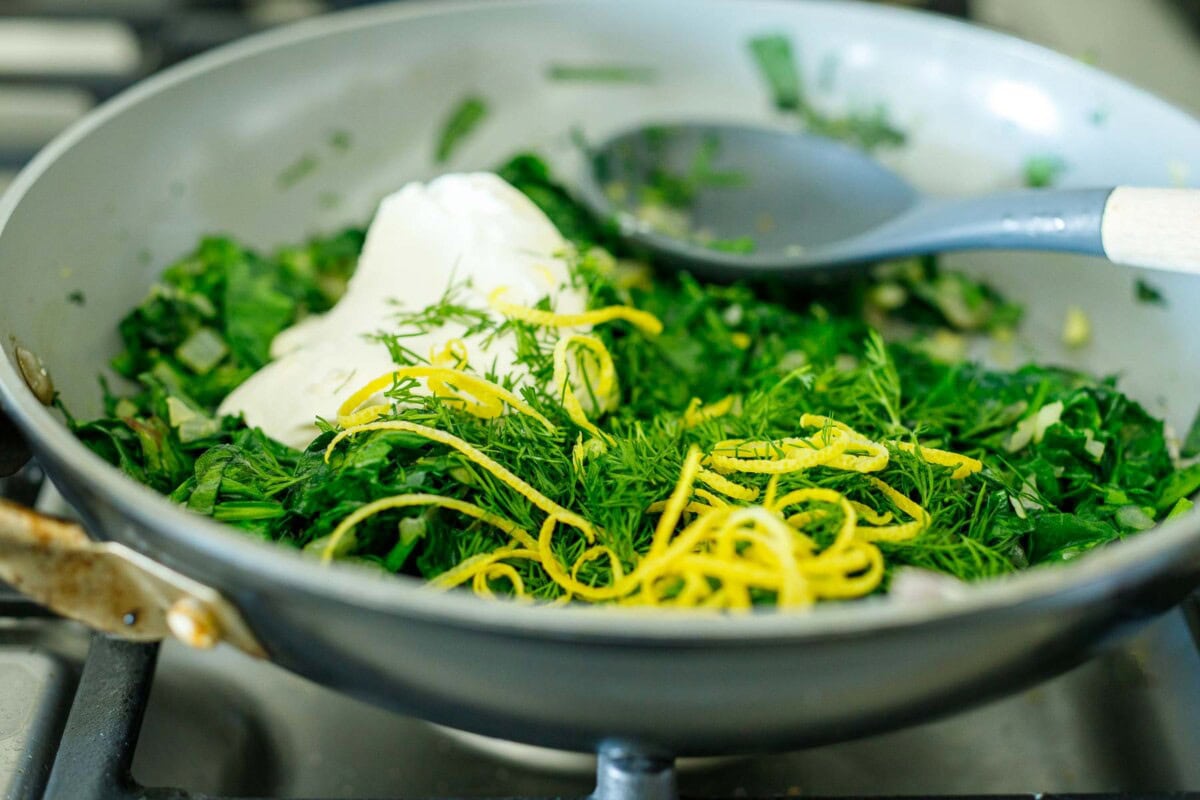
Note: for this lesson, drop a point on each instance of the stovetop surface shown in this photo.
(221, 723)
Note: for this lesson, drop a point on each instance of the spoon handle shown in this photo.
(1155, 228)
(1063, 220)
(1137, 227)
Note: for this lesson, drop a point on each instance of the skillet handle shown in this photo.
(111, 588)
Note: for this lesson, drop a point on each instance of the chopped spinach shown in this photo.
(1070, 463)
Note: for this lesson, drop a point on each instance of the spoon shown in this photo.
(733, 201)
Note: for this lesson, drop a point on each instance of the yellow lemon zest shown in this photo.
(467, 570)
(845, 534)
(642, 320)
(696, 413)
(797, 454)
(486, 400)
(708, 497)
(499, 471)
(727, 487)
(606, 384)
(844, 585)
(872, 516)
(595, 552)
(675, 503)
(364, 415)
(772, 491)
(965, 465)
(568, 581)
(900, 532)
(876, 455)
(717, 558)
(453, 354)
(410, 500)
(693, 507)
(481, 586)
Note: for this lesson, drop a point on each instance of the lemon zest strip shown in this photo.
(727, 487)
(642, 320)
(467, 569)
(410, 500)
(675, 503)
(606, 385)
(695, 413)
(965, 465)
(474, 454)
(498, 570)
(488, 402)
(794, 460)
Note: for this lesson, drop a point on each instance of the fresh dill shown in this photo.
(1070, 463)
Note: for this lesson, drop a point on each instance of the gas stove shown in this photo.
(91, 718)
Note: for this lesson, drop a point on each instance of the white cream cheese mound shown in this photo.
(456, 228)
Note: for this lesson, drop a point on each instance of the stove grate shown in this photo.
(95, 753)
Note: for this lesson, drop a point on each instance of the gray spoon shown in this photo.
(808, 202)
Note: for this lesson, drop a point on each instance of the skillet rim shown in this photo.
(1106, 573)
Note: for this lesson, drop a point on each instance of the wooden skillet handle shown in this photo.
(1156, 228)
(109, 587)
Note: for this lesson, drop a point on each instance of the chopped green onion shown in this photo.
(462, 121)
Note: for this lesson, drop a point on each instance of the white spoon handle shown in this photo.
(1155, 228)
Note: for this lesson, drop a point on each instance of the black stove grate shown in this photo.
(96, 751)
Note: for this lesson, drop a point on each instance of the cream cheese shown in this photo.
(472, 229)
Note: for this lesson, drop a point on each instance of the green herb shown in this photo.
(1071, 464)
(1191, 442)
(77, 297)
(774, 57)
(297, 171)
(1146, 292)
(340, 140)
(917, 290)
(740, 244)
(679, 191)
(463, 120)
(601, 73)
(205, 328)
(1043, 171)
(1182, 507)
(1179, 485)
